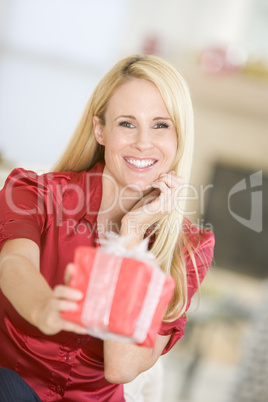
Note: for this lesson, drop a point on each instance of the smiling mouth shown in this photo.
(141, 163)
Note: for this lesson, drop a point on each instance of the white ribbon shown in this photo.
(97, 310)
(116, 244)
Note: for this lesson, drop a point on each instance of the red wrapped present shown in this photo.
(124, 298)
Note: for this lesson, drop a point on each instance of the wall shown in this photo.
(52, 55)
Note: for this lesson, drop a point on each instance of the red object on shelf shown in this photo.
(124, 298)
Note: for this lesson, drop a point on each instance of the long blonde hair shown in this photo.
(83, 152)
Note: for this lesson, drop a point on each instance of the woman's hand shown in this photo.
(153, 207)
(29, 292)
(63, 298)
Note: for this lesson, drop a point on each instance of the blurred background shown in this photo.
(53, 53)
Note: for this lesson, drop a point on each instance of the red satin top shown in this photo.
(59, 212)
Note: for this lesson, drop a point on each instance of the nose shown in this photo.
(143, 140)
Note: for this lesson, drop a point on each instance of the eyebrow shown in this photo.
(125, 117)
(134, 118)
(162, 118)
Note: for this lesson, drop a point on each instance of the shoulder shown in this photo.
(26, 192)
(23, 177)
(27, 184)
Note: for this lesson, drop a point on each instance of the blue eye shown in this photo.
(126, 124)
(161, 125)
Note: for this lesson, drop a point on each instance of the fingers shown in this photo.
(155, 205)
(169, 179)
(65, 299)
(49, 319)
(63, 305)
(72, 327)
(65, 292)
(161, 185)
(170, 185)
(149, 197)
(53, 323)
(68, 273)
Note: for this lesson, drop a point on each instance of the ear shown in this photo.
(98, 130)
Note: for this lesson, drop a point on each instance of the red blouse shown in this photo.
(59, 212)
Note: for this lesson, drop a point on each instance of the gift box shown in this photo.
(125, 298)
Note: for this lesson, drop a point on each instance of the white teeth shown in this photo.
(141, 163)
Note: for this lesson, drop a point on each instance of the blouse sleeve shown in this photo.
(203, 244)
(22, 201)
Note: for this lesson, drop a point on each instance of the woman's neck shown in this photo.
(115, 204)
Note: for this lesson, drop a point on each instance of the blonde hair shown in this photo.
(83, 152)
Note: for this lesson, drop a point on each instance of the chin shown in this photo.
(138, 186)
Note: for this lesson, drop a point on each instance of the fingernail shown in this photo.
(73, 307)
(78, 295)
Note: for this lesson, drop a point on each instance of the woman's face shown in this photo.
(139, 137)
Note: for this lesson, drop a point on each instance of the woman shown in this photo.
(122, 172)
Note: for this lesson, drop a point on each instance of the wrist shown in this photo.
(37, 312)
(133, 241)
(132, 229)
(133, 232)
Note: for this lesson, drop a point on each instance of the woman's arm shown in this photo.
(29, 293)
(123, 361)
